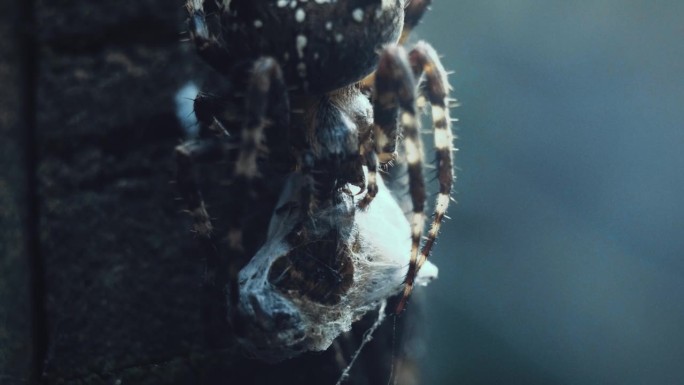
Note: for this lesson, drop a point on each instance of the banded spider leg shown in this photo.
(395, 91)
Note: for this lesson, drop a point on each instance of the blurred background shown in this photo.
(563, 262)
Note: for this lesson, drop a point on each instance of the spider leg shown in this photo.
(217, 115)
(204, 149)
(394, 91)
(425, 62)
(370, 159)
(208, 45)
(187, 154)
(413, 13)
(266, 101)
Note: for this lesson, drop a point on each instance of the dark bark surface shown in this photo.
(16, 337)
(119, 275)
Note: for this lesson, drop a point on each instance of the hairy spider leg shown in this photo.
(370, 159)
(208, 45)
(425, 62)
(213, 143)
(266, 101)
(413, 147)
(394, 91)
(384, 104)
(217, 115)
(187, 154)
(413, 13)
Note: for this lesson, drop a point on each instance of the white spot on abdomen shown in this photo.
(357, 14)
(301, 44)
(300, 15)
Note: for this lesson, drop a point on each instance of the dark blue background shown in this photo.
(563, 262)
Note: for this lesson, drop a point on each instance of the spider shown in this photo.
(323, 94)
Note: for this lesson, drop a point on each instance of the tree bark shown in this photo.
(18, 254)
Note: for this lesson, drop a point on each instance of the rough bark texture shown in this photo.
(123, 294)
(16, 339)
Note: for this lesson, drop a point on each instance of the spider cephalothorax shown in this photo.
(321, 93)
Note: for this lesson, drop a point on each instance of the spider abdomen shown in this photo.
(310, 39)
